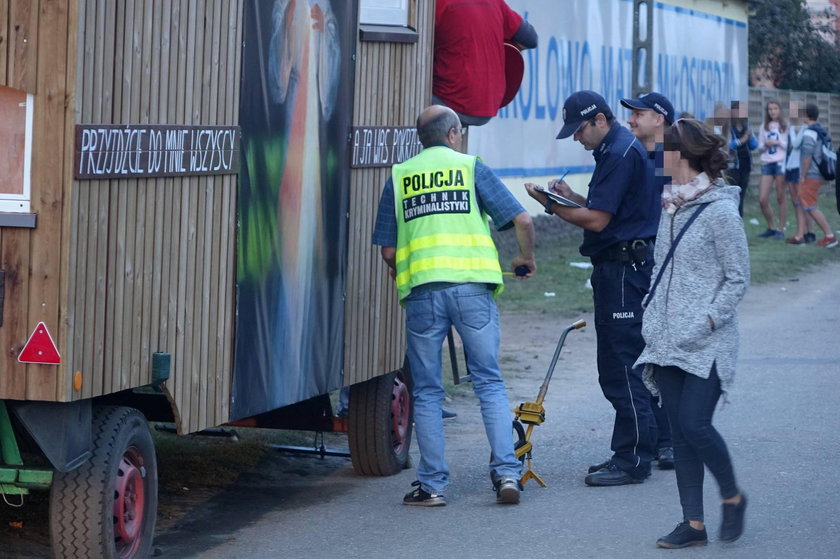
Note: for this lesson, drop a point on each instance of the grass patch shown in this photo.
(772, 260)
(558, 288)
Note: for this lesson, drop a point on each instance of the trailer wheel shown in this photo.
(107, 507)
(380, 423)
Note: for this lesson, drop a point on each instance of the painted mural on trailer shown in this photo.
(296, 109)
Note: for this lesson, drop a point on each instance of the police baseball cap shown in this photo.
(652, 101)
(580, 107)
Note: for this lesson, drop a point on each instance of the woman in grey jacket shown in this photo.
(690, 324)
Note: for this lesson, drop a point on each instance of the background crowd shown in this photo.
(789, 144)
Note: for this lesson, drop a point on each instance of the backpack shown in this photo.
(827, 164)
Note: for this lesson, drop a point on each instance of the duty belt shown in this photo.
(627, 252)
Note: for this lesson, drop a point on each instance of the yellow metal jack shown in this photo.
(533, 413)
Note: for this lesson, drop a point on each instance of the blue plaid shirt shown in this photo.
(492, 195)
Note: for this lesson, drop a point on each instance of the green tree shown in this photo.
(786, 42)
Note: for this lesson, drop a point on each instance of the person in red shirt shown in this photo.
(469, 60)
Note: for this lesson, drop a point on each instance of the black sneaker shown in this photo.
(507, 490)
(732, 525)
(767, 234)
(421, 498)
(609, 476)
(665, 457)
(809, 237)
(595, 467)
(683, 536)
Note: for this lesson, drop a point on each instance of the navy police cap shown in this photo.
(652, 101)
(580, 107)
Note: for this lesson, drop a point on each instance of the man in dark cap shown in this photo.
(650, 113)
(619, 217)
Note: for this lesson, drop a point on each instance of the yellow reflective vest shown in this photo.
(442, 236)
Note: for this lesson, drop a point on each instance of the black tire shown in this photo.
(380, 423)
(122, 473)
(519, 439)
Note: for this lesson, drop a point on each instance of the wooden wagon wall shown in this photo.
(152, 263)
(393, 84)
(35, 39)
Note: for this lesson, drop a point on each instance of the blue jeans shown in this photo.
(430, 311)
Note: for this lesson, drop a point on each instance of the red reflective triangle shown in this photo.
(40, 348)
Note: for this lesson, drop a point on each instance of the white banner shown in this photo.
(699, 59)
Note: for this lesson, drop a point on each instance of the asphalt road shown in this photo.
(781, 425)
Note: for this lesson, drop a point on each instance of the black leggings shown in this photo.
(690, 403)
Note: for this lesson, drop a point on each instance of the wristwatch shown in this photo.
(548, 205)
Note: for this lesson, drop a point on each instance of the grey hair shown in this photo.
(436, 129)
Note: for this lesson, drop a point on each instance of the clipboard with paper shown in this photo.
(562, 200)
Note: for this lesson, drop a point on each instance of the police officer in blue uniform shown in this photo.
(619, 217)
(650, 113)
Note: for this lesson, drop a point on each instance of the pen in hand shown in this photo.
(558, 181)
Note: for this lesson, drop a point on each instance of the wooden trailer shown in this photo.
(185, 222)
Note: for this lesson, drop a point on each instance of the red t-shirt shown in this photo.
(469, 63)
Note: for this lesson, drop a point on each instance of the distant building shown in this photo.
(824, 14)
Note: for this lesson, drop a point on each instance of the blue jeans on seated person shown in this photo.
(430, 311)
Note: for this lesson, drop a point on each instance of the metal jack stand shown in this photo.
(533, 413)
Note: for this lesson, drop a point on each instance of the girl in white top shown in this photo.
(795, 132)
(772, 145)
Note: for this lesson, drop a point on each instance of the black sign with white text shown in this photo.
(107, 151)
(383, 146)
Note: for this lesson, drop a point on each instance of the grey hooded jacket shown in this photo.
(706, 278)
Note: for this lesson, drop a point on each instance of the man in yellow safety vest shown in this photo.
(434, 235)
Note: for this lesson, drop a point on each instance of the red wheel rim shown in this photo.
(400, 413)
(129, 503)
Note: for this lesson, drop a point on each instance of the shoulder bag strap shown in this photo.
(671, 251)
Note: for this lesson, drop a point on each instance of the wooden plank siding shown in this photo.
(34, 43)
(122, 268)
(374, 325)
(153, 262)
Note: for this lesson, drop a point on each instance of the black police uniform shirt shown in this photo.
(622, 187)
